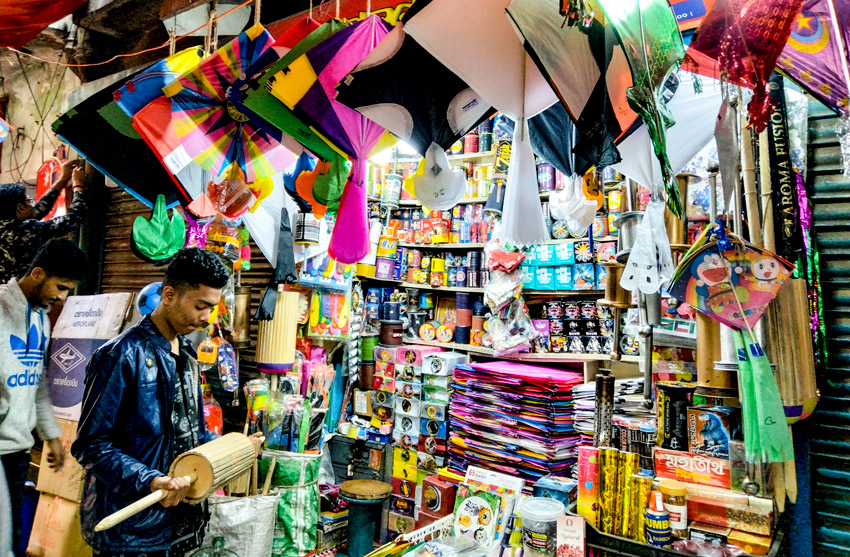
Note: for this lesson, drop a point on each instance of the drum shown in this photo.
(214, 464)
(365, 498)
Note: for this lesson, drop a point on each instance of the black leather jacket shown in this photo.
(126, 438)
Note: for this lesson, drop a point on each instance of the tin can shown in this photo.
(426, 300)
(461, 278)
(452, 276)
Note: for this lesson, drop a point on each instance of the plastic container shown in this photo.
(540, 525)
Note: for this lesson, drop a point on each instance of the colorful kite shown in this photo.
(816, 53)
(215, 134)
(4, 130)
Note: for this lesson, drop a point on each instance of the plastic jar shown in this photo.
(675, 501)
(539, 525)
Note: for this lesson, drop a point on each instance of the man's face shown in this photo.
(190, 310)
(52, 290)
(26, 210)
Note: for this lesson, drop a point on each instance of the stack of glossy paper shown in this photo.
(513, 418)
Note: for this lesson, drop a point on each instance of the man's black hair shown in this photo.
(61, 258)
(193, 267)
(10, 196)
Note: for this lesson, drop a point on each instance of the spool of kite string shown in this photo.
(276, 337)
(208, 468)
(392, 332)
(241, 336)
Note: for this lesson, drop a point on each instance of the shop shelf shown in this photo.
(473, 156)
(478, 245)
(464, 201)
(426, 286)
(450, 346)
(564, 293)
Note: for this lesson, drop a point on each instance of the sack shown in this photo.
(247, 524)
(296, 480)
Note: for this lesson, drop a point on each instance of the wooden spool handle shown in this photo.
(137, 507)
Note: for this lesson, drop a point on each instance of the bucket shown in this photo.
(540, 525)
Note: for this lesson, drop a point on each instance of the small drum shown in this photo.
(364, 512)
(214, 464)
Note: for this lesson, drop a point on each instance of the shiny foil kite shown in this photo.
(740, 41)
(653, 45)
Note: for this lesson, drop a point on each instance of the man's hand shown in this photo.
(78, 178)
(67, 169)
(257, 440)
(55, 454)
(176, 487)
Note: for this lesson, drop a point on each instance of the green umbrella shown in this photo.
(650, 37)
(255, 101)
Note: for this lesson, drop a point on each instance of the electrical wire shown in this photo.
(145, 51)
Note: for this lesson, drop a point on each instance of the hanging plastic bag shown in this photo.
(512, 331)
(571, 205)
(502, 289)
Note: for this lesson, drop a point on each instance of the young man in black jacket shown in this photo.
(143, 407)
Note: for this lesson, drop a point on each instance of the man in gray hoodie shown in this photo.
(24, 336)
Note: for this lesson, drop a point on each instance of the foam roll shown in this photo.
(463, 334)
(462, 301)
(629, 466)
(608, 462)
(638, 505)
(588, 484)
(276, 337)
(464, 318)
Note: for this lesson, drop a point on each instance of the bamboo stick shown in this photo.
(269, 475)
(766, 186)
(748, 172)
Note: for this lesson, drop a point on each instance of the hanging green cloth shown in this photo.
(766, 434)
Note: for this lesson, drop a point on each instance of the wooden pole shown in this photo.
(748, 171)
(137, 507)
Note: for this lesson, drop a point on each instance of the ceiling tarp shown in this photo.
(22, 20)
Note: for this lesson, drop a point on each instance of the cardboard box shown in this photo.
(711, 429)
(363, 403)
(563, 277)
(56, 529)
(403, 457)
(691, 468)
(565, 254)
(86, 322)
(584, 276)
(401, 524)
(728, 509)
(708, 533)
(405, 488)
(544, 254)
(402, 505)
(526, 273)
(414, 355)
(544, 278)
(426, 518)
(438, 497)
(442, 363)
(67, 482)
(753, 544)
(409, 373)
(385, 354)
(563, 489)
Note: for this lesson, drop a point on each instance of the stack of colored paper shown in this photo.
(513, 418)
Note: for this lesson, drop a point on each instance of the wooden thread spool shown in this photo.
(207, 468)
(615, 295)
(276, 337)
(241, 336)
